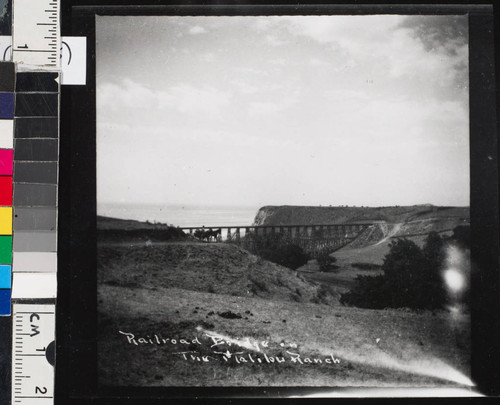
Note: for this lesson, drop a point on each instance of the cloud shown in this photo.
(207, 57)
(316, 62)
(189, 99)
(346, 30)
(445, 38)
(244, 87)
(130, 97)
(446, 32)
(262, 108)
(196, 30)
(274, 40)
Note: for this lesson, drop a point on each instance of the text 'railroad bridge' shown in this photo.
(311, 238)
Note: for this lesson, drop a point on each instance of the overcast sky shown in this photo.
(331, 110)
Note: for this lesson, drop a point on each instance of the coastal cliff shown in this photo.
(303, 215)
(398, 221)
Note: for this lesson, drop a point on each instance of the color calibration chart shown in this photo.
(28, 184)
(28, 225)
(36, 150)
(7, 86)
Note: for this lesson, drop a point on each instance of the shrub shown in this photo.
(159, 234)
(367, 293)
(366, 266)
(291, 256)
(324, 295)
(279, 250)
(461, 235)
(411, 278)
(325, 261)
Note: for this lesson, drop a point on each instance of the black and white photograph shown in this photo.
(283, 201)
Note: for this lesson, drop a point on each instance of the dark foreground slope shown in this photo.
(209, 339)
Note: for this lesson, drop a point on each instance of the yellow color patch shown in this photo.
(5, 220)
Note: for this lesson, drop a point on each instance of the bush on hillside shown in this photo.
(277, 249)
(325, 261)
(292, 256)
(166, 234)
(461, 236)
(412, 278)
(366, 266)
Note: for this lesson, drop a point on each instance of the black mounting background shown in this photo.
(76, 364)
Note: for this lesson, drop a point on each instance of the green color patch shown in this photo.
(6, 249)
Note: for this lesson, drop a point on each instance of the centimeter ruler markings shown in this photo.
(33, 354)
(36, 36)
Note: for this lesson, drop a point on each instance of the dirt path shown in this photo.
(392, 232)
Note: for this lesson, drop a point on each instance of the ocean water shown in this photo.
(183, 216)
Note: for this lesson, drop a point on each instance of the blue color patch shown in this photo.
(5, 302)
(7, 105)
(5, 276)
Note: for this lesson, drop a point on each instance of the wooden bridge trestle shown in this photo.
(312, 238)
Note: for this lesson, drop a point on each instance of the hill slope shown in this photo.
(375, 348)
(216, 268)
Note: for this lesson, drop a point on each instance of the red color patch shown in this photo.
(5, 190)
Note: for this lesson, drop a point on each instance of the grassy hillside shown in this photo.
(216, 268)
(108, 223)
(120, 230)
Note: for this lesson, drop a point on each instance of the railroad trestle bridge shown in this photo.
(311, 238)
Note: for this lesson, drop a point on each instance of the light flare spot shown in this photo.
(454, 279)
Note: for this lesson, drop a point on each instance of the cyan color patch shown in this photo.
(5, 276)
(6, 105)
(5, 302)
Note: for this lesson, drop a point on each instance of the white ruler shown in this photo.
(32, 348)
(36, 36)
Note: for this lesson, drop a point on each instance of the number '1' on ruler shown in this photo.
(36, 38)
(33, 354)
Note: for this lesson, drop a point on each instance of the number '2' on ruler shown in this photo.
(33, 357)
(35, 32)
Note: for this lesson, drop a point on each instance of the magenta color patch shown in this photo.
(6, 162)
